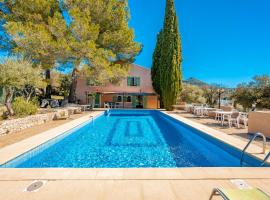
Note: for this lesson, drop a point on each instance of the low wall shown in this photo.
(180, 106)
(259, 122)
(15, 125)
(226, 108)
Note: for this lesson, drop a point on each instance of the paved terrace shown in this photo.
(240, 133)
(183, 183)
(123, 184)
(12, 138)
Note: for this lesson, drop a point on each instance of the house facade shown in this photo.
(135, 91)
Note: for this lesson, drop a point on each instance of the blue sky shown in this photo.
(223, 41)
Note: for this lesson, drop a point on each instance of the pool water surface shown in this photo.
(132, 139)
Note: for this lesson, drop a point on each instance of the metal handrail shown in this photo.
(252, 139)
(265, 159)
(91, 117)
(108, 111)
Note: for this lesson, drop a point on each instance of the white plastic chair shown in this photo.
(236, 118)
(232, 119)
(244, 118)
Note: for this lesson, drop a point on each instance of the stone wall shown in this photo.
(15, 125)
(46, 115)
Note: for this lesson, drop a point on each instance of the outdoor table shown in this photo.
(201, 110)
(197, 110)
(205, 110)
(222, 115)
(84, 107)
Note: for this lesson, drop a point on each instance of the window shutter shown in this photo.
(129, 81)
(138, 81)
(114, 99)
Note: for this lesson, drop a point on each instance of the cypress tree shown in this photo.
(171, 58)
(156, 68)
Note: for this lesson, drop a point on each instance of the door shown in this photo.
(139, 101)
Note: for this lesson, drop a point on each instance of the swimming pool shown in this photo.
(132, 139)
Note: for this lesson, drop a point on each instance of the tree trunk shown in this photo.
(29, 95)
(72, 92)
(161, 104)
(8, 101)
(48, 91)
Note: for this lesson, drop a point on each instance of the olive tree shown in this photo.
(192, 94)
(19, 75)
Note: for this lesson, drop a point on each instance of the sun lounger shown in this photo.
(240, 194)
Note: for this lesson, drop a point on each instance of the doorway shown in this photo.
(139, 101)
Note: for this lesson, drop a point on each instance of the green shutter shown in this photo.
(134, 101)
(138, 81)
(129, 79)
(97, 99)
(145, 102)
(114, 99)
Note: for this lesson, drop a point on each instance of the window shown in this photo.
(133, 81)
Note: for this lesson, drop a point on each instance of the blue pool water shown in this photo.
(132, 138)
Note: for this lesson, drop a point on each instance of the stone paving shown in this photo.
(240, 133)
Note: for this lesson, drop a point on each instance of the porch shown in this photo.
(123, 100)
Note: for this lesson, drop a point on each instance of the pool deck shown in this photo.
(241, 133)
(122, 184)
(15, 137)
(182, 183)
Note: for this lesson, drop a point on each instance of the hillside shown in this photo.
(194, 81)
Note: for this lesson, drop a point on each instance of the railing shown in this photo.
(265, 159)
(107, 105)
(92, 118)
(108, 113)
(252, 139)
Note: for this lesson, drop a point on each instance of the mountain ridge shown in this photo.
(195, 81)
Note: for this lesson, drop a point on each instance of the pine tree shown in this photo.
(156, 67)
(101, 39)
(171, 58)
(38, 31)
(96, 35)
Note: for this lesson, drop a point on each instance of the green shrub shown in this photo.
(23, 108)
(2, 112)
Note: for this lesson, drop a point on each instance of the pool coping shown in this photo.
(197, 173)
(12, 151)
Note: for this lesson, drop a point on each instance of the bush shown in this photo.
(23, 108)
(192, 94)
(3, 111)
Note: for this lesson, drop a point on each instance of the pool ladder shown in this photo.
(264, 148)
(108, 112)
